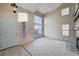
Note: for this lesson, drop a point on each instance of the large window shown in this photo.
(65, 11)
(65, 29)
(37, 24)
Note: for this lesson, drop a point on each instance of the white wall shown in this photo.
(53, 23)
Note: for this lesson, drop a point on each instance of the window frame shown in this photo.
(66, 29)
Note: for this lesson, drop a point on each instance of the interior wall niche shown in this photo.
(22, 20)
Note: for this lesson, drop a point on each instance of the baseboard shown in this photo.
(8, 47)
(61, 40)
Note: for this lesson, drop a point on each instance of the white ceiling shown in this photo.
(40, 7)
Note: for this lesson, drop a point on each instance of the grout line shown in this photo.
(26, 50)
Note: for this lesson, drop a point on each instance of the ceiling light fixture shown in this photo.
(14, 7)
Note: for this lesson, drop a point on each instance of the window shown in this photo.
(38, 24)
(65, 11)
(22, 17)
(65, 29)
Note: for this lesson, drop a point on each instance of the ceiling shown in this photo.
(40, 7)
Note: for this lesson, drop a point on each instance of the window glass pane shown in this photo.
(65, 33)
(22, 17)
(37, 29)
(37, 20)
(65, 11)
(65, 27)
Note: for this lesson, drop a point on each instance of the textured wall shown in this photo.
(53, 23)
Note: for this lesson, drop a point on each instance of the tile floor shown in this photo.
(43, 47)
(15, 51)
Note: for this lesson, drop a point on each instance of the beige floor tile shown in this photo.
(22, 51)
(49, 47)
(43, 47)
(10, 52)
